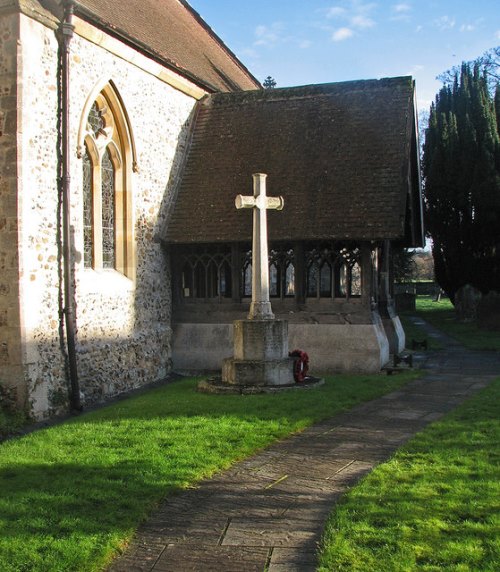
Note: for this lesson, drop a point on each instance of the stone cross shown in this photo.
(260, 308)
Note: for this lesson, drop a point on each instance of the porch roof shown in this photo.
(343, 155)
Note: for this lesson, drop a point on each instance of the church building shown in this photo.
(126, 131)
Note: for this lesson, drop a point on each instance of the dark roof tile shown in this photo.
(338, 153)
(174, 32)
(169, 31)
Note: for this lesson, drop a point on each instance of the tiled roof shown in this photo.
(169, 31)
(339, 154)
(174, 33)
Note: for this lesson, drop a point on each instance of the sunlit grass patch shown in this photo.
(442, 315)
(72, 495)
(434, 506)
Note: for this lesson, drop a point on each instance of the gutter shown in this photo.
(65, 35)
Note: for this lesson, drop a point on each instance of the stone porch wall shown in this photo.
(124, 333)
(360, 347)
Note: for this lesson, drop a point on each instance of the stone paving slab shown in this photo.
(292, 560)
(268, 511)
(212, 558)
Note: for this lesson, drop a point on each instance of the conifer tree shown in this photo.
(461, 168)
(269, 83)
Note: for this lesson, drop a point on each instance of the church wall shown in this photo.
(123, 325)
(39, 252)
(12, 387)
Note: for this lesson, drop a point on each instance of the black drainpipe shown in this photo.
(66, 33)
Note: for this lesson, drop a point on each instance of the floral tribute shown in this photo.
(300, 365)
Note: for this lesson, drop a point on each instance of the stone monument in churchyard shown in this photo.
(261, 341)
(260, 359)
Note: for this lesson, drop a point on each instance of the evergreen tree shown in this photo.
(489, 64)
(461, 164)
(269, 83)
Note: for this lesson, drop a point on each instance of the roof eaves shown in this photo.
(308, 91)
(123, 36)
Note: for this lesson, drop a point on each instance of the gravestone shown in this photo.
(467, 299)
(488, 312)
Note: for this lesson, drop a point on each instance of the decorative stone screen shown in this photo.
(333, 272)
(328, 271)
(206, 273)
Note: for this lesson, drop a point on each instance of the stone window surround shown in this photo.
(116, 137)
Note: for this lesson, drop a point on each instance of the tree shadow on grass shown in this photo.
(66, 498)
(67, 516)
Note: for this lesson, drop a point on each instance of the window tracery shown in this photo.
(330, 271)
(207, 274)
(108, 234)
(333, 272)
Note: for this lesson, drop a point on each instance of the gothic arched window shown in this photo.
(107, 200)
(333, 272)
(206, 273)
(281, 272)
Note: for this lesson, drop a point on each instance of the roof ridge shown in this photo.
(306, 91)
(218, 40)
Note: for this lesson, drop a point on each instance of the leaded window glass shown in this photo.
(333, 271)
(273, 280)
(281, 272)
(106, 149)
(95, 120)
(225, 289)
(330, 271)
(290, 280)
(312, 279)
(341, 283)
(206, 273)
(108, 210)
(247, 274)
(88, 242)
(356, 280)
(325, 286)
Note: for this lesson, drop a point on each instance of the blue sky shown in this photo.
(316, 41)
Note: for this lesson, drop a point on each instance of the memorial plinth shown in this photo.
(260, 354)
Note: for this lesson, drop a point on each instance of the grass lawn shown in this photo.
(414, 332)
(442, 315)
(11, 421)
(435, 506)
(73, 494)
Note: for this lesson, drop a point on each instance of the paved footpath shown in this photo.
(270, 509)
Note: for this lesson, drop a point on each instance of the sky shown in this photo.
(300, 42)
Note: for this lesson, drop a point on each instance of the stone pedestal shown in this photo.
(260, 354)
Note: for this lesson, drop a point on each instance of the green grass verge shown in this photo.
(442, 315)
(11, 418)
(12, 421)
(414, 332)
(72, 495)
(435, 506)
